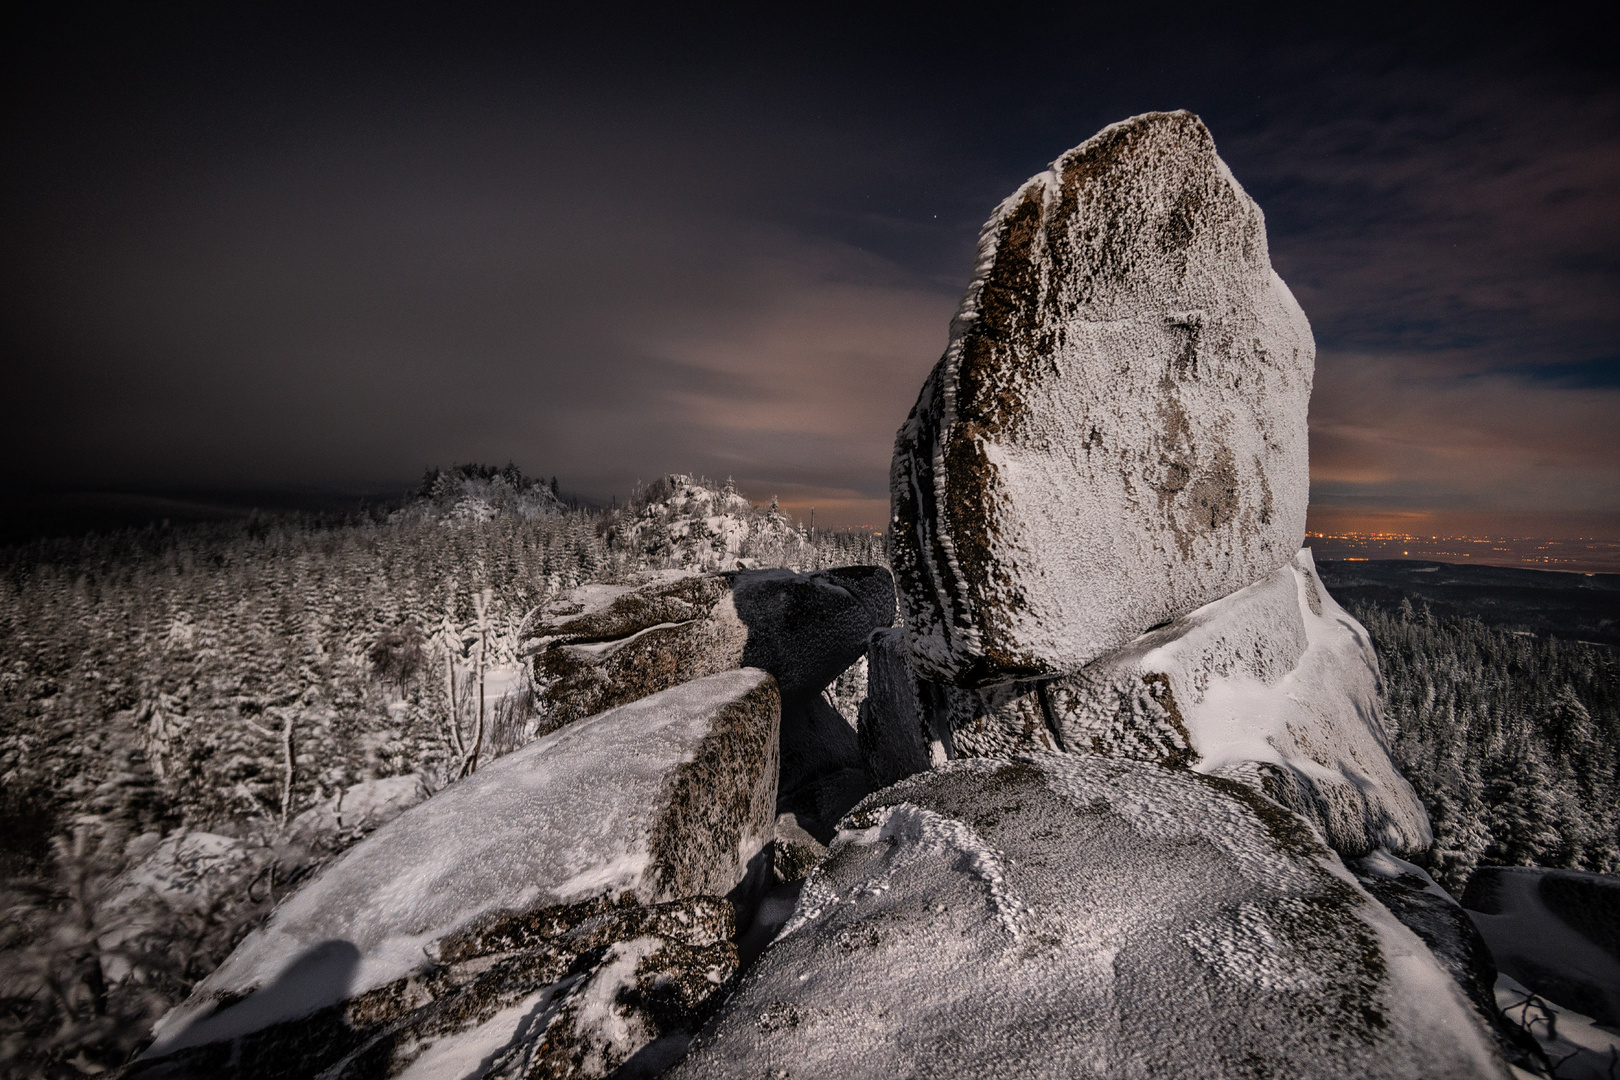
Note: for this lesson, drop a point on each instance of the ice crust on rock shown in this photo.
(1275, 685)
(666, 797)
(1065, 916)
(1116, 432)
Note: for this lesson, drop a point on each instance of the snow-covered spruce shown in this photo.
(1116, 432)
(667, 797)
(1068, 916)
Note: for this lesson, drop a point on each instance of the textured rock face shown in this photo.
(667, 797)
(574, 990)
(896, 735)
(802, 628)
(1069, 916)
(807, 628)
(1555, 931)
(1116, 432)
(641, 642)
(1276, 686)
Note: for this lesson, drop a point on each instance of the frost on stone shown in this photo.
(1276, 686)
(1116, 432)
(1062, 916)
(667, 797)
(1554, 931)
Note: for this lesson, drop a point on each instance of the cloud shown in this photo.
(1388, 432)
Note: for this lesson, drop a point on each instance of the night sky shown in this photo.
(309, 250)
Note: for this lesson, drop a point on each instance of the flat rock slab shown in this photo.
(1116, 432)
(1065, 916)
(1554, 931)
(614, 645)
(668, 797)
(1275, 685)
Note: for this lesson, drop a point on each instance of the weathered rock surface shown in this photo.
(614, 645)
(640, 642)
(908, 724)
(816, 743)
(1275, 685)
(664, 798)
(573, 990)
(895, 731)
(796, 852)
(1116, 432)
(1071, 916)
(1555, 931)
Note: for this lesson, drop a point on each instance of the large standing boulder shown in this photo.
(666, 798)
(1069, 916)
(1116, 432)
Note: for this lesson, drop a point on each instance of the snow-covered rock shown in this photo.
(667, 797)
(1068, 916)
(1555, 931)
(805, 629)
(1582, 1048)
(1116, 432)
(358, 809)
(643, 641)
(1431, 913)
(1275, 685)
(796, 852)
(574, 990)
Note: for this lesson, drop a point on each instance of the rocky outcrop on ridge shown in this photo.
(1116, 432)
(575, 990)
(611, 645)
(668, 798)
(1140, 806)
(1077, 916)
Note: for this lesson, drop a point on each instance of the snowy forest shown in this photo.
(194, 719)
